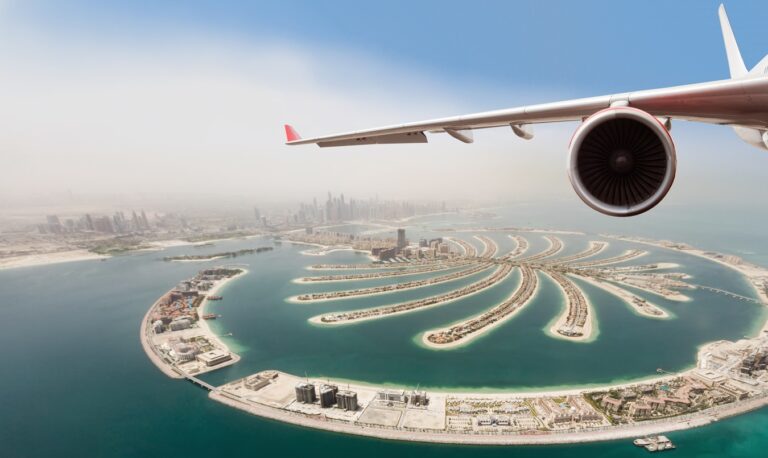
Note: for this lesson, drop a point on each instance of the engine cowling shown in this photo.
(622, 161)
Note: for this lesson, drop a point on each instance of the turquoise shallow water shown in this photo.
(76, 382)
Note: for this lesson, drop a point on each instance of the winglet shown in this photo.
(735, 62)
(290, 134)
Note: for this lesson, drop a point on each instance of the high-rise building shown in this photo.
(401, 242)
(257, 214)
(346, 400)
(54, 224)
(136, 222)
(103, 224)
(328, 395)
(88, 222)
(305, 393)
(144, 221)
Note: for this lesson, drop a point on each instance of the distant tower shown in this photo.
(401, 242)
(136, 222)
(88, 222)
(144, 220)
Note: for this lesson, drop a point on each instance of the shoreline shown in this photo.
(622, 294)
(204, 325)
(357, 427)
(295, 299)
(600, 263)
(521, 247)
(328, 249)
(589, 330)
(316, 320)
(594, 249)
(170, 369)
(386, 274)
(446, 434)
(466, 340)
(749, 271)
(44, 259)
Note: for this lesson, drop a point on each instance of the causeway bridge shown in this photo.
(730, 294)
(198, 382)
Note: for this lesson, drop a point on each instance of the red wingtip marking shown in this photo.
(290, 134)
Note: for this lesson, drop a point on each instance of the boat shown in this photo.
(655, 443)
(214, 298)
(210, 316)
(641, 442)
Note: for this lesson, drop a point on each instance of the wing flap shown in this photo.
(408, 137)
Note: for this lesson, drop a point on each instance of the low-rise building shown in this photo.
(180, 323)
(184, 352)
(419, 398)
(214, 357)
(611, 404)
(392, 396)
(484, 420)
(640, 409)
(256, 382)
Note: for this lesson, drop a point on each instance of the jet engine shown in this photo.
(622, 161)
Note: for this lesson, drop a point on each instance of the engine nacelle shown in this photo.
(622, 161)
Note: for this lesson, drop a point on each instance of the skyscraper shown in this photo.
(401, 242)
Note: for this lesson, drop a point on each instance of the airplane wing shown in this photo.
(621, 159)
(741, 101)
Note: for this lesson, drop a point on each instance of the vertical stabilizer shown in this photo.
(735, 62)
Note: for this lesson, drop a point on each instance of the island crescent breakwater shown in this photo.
(684, 400)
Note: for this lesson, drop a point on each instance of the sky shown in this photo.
(175, 98)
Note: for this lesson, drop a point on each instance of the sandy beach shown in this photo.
(468, 338)
(627, 297)
(49, 258)
(318, 318)
(338, 421)
(204, 326)
(347, 424)
(363, 293)
(753, 272)
(589, 333)
(203, 329)
(386, 274)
